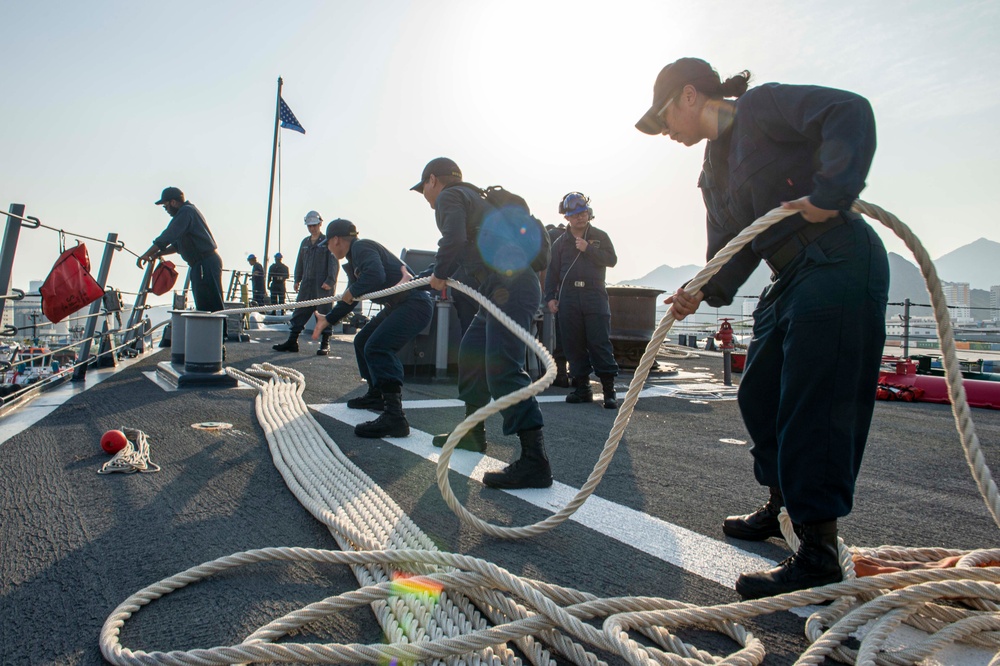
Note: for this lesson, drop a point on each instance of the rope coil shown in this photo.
(956, 604)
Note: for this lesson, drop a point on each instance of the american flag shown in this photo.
(288, 119)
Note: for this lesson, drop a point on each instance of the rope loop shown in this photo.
(961, 603)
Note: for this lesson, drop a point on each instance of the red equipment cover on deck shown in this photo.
(978, 392)
(69, 285)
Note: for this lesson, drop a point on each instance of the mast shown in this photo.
(270, 191)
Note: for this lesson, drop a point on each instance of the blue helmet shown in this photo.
(574, 203)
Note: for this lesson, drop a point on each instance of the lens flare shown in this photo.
(408, 585)
(506, 247)
(405, 583)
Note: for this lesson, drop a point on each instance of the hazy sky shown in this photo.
(105, 103)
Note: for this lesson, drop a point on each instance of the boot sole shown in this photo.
(750, 535)
(751, 588)
(374, 408)
(380, 435)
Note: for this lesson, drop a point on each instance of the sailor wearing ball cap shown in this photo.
(188, 234)
(277, 274)
(371, 267)
(806, 149)
(257, 280)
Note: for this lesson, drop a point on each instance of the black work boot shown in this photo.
(289, 345)
(371, 400)
(324, 344)
(474, 440)
(581, 391)
(531, 470)
(562, 379)
(759, 525)
(814, 564)
(391, 423)
(608, 386)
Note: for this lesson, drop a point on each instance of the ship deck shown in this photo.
(74, 544)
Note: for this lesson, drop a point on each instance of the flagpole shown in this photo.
(270, 191)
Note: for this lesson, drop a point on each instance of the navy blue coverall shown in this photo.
(370, 267)
(314, 268)
(808, 391)
(189, 235)
(257, 283)
(577, 281)
(490, 358)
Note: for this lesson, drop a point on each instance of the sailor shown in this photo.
(257, 280)
(575, 289)
(807, 149)
(277, 275)
(370, 268)
(490, 358)
(315, 277)
(188, 234)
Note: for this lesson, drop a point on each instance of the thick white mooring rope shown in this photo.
(522, 608)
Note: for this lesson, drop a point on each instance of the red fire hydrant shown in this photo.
(725, 334)
(725, 338)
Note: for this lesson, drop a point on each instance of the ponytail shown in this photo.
(736, 85)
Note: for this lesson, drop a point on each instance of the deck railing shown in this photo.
(104, 338)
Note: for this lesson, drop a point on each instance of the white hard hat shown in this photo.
(312, 217)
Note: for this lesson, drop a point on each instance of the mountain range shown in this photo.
(977, 264)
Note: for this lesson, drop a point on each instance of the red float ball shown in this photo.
(113, 441)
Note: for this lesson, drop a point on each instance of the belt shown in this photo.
(579, 283)
(783, 255)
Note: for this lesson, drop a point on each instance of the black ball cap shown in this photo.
(169, 194)
(341, 227)
(439, 166)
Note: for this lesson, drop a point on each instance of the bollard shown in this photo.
(203, 341)
(177, 326)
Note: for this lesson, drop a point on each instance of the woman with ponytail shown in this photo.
(808, 390)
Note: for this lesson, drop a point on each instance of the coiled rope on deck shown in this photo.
(546, 611)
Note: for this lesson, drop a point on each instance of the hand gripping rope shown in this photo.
(554, 614)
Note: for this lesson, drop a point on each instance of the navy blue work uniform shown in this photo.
(257, 283)
(277, 274)
(189, 235)
(314, 268)
(370, 267)
(577, 281)
(808, 391)
(490, 358)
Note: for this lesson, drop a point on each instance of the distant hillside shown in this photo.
(977, 263)
(905, 280)
(669, 279)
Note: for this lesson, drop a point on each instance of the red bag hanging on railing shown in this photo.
(164, 277)
(69, 285)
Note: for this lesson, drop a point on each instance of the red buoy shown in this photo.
(113, 441)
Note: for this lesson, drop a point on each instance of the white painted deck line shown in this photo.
(34, 411)
(711, 559)
(686, 391)
(695, 553)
